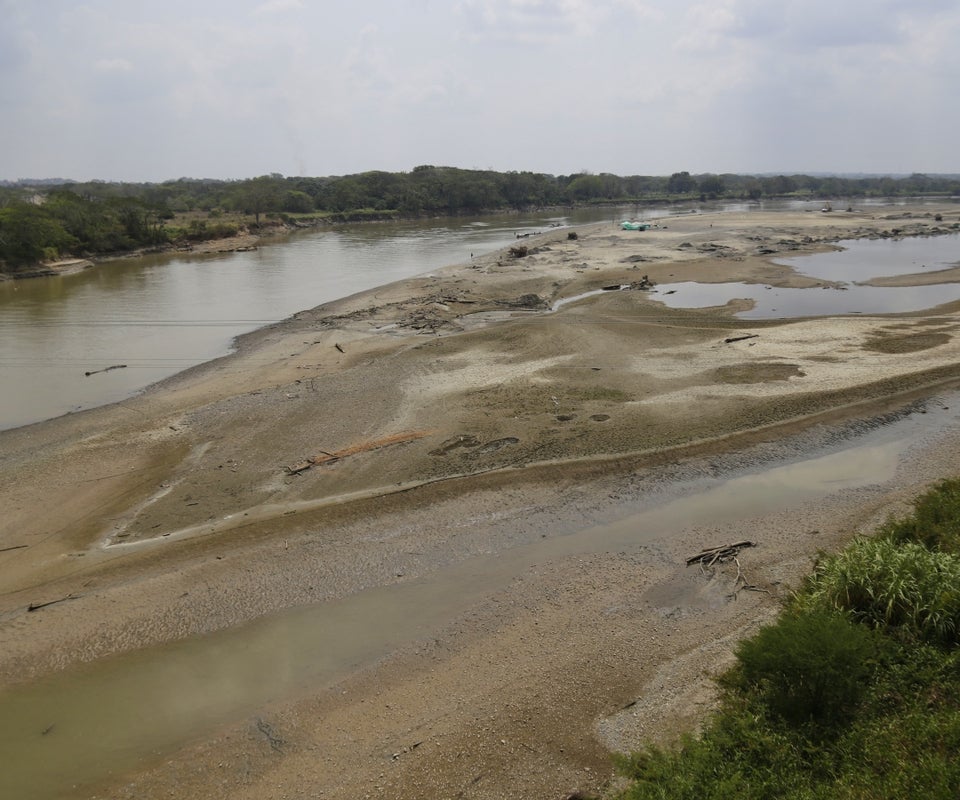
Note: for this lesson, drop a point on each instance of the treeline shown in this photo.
(40, 221)
(853, 693)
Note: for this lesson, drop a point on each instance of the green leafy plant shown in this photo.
(935, 521)
(889, 585)
(808, 669)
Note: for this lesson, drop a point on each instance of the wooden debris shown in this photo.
(14, 547)
(337, 345)
(741, 338)
(721, 554)
(724, 554)
(325, 457)
(38, 606)
(105, 369)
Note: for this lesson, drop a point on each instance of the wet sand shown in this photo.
(441, 421)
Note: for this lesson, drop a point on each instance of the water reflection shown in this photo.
(779, 303)
(861, 260)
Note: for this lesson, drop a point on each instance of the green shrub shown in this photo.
(819, 707)
(887, 585)
(935, 521)
(807, 669)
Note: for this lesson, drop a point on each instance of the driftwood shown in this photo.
(325, 457)
(712, 556)
(14, 547)
(38, 606)
(721, 554)
(338, 347)
(741, 338)
(105, 369)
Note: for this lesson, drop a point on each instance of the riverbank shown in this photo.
(446, 421)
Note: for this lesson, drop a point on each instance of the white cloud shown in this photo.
(529, 21)
(279, 6)
(113, 65)
(232, 88)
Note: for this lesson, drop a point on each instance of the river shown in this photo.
(82, 725)
(159, 315)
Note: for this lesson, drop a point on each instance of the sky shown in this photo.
(157, 90)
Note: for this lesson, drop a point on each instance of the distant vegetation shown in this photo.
(44, 220)
(854, 693)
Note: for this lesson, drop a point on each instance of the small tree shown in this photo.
(808, 669)
(681, 183)
(712, 185)
(258, 195)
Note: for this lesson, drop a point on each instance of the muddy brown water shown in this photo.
(157, 315)
(90, 724)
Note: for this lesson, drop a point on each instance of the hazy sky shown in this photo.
(146, 90)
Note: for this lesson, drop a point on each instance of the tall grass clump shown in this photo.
(934, 522)
(889, 585)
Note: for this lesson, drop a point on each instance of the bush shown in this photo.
(200, 231)
(887, 585)
(819, 706)
(807, 669)
(935, 521)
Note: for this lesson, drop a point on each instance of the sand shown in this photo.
(444, 421)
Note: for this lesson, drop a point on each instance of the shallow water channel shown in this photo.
(67, 733)
(845, 270)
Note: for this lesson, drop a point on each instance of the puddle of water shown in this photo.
(86, 724)
(860, 261)
(782, 303)
(863, 259)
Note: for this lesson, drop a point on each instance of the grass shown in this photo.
(934, 521)
(885, 584)
(854, 694)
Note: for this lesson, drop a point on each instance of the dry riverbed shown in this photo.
(452, 420)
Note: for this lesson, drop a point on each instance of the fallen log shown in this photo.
(741, 338)
(38, 606)
(105, 369)
(325, 457)
(726, 552)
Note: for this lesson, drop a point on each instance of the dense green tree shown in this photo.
(28, 234)
(98, 216)
(681, 183)
(296, 202)
(712, 186)
(258, 196)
